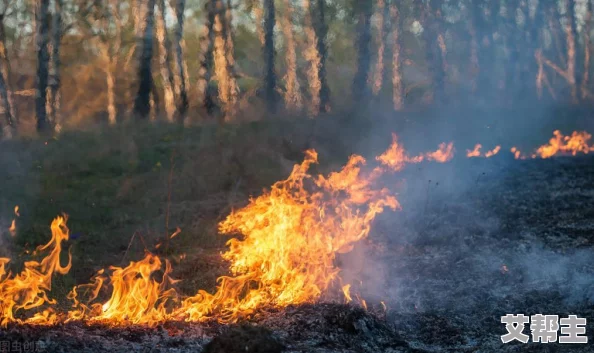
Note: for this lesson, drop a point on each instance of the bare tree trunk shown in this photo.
(572, 38)
(10, 129)
(180, 73)
(259, 16)
(397, 87)
(474, 62)
(206, 58)
(378, 73)
(229, 51)
(436, 50)
(587, 52)
(321, 29)
(292, 89)
(312, 56)
(142, 104)
(42, 34)
(165, 62)
(360, 88)
(269, 75)
(539, 74)
(111, 109)
(221, 66)
(53, 94)
(110, 50)
(568, 73)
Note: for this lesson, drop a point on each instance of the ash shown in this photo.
(477, 239)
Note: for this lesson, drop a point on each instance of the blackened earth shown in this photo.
(476, 239)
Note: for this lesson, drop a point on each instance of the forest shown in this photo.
(71, 63)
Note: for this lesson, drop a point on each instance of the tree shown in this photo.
(9, 114)
(364, 10)
(292, 94)
(397, 86)
(436, 50)
(569, 73)
(53, 93)
(180, 71)
(321, 29)
(42, 34)
(206, 58)
(142, 103)
(380, 21)
(269, 54)
(166, 70)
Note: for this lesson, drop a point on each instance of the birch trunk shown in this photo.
(206, 58)
(312, 56)
(397, 87)
(111, 109)
(378, 73)
(165, 62)
(321, 29)
(585, 92)
(233, 87)
(360, 87)
(221, 67)
(180, 76)
(292, 94)
(142, 103)
(269, 73)
(9, 113)
(42, 39)
(259, 17)
(53, 93)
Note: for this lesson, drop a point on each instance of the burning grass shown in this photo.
(282, 252)
(290, 236)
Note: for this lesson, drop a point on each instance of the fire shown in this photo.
(28, 290)
(12, 228)
(560, 144)
(493, 152)
(136, 298)
(517, 153)
(284, 252)
(476, 152)
(395, 157)
(291, 235)
(346, 290)
(445, 153)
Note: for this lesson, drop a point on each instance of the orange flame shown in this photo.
(28, 290)
(136, 297)
(444, 154)
(476, 152)
(493, 152)
(346, 290)
(395, 157)
(565, 145)
(12, 228)
(291, 235)
(285, 253)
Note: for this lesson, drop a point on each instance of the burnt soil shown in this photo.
(476, 239)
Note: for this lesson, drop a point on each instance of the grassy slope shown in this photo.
(116, 182)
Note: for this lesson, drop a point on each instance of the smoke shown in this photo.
(463, 241)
